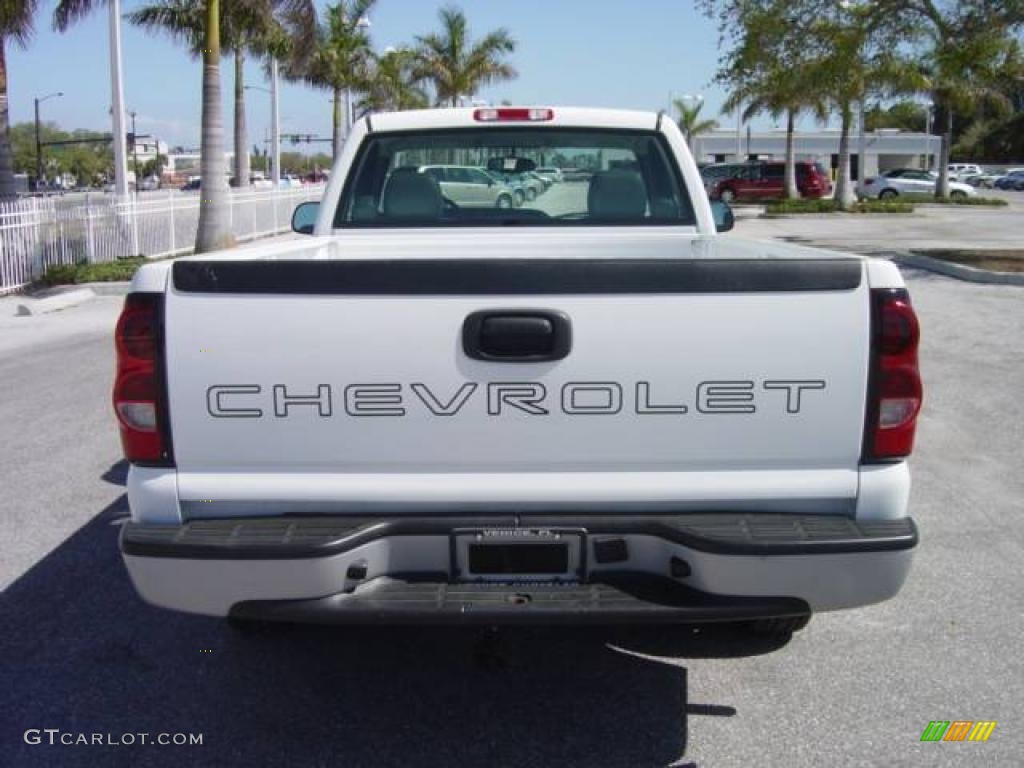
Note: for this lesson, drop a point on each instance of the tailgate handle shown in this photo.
(517, 335)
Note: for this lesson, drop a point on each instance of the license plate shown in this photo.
(518, 554)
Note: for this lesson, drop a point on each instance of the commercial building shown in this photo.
(883, 150)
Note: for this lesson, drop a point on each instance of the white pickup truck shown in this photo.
(587, 406)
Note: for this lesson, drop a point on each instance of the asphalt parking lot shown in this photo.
(82, 654)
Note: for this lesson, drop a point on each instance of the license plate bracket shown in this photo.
(518, 554)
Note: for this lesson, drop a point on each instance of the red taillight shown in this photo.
(138, 386)
(513, 114)
(895, 388)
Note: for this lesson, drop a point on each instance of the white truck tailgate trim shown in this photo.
(512, 276)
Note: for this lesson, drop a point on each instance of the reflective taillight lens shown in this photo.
(138, 386)
(895, 380)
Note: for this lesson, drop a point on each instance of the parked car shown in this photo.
(530, 184)
(470, 187)
(1014, 179)
(958, 171)
(586, 419)
(576, 174)
(904, 181)
(192, 184)
(983, 180)
(549, 172)
(715, 172)
(149, 183)
(766, 181)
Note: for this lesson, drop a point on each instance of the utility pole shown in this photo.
(117, 101)
(39, 140)
(39, 150)
(135, 153)
(275, 130)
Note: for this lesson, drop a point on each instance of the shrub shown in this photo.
(917, 197)
(829, 206)
(64, 274)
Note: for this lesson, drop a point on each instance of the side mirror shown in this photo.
(304, 217)
(724, 218)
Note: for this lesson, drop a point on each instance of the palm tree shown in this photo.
(15, 25)
(689, 120)
(455, 65)
(338, 60)
(214, 230)
(770, 70)
(392, 84)
(254, 26)
(779, 97)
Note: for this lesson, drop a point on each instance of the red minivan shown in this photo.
(766, 181)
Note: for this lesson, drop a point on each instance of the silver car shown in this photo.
(906, 181)
(470, 187)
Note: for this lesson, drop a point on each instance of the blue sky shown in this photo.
(596, 53)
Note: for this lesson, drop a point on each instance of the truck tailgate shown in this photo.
(336, 382)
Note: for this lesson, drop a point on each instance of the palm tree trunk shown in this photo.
(214, 215)
(792, 193)
(7, 186)
(942, 188)
(241, 140)
(845, 197)
(336, 138)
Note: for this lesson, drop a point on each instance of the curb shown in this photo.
(958, 271)
(53, 303)
(112, 288)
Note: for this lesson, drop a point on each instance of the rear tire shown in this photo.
(887, 194)
(504, 202)
(958, 193)
(776, 629)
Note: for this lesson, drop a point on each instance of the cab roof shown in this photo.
(463, 117)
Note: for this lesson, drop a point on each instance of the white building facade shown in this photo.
(883, 150)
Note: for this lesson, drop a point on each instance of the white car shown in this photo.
(603, 411)
(959, 171)
(548, 172)
(905, 181)
(468, 186)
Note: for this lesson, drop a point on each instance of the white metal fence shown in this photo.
(38, 233)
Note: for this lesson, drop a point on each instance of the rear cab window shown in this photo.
(487, 177)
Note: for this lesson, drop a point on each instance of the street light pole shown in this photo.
(117, 101)
(39, 141)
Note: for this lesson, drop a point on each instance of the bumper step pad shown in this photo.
(625, 597)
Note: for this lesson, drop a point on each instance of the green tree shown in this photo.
(963, 45)
(903, 115)
(455, 65)
(337, 61)
(214, 231)
(859, 53)
(689, 121)
(247, 26)
(392, 84)
(154, 166)
(768, 67)
(15, 27)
